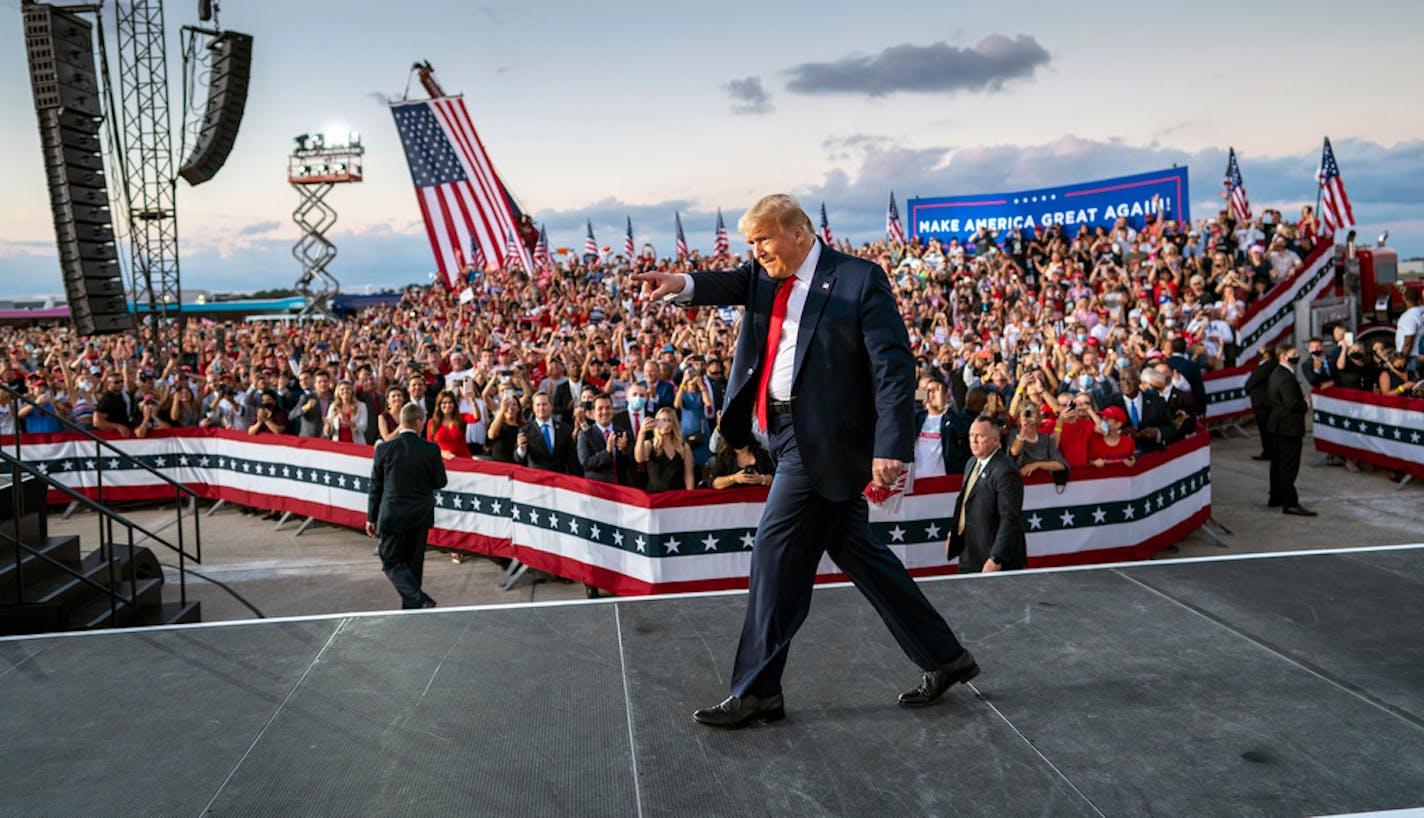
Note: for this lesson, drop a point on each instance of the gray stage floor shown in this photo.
(1288, 685)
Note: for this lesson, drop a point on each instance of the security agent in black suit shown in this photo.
(987, 530)
(539, 433)
(406, 472)
(1287, 428)
(1258, 390)
(837, 391)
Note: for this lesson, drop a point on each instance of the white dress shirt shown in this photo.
(782, 375)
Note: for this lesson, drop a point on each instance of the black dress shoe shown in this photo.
(427, 602)
(935, 682)
(1260, 457)
(1298, 511)
(735, 712)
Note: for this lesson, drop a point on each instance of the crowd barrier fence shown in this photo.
(1383, 430)
(627, 541)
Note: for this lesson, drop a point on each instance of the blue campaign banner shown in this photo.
(1095, 203)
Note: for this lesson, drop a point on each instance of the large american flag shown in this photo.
(590, 247)
(719, 244)
(460, 195)
(543, 259)
(682, 250)
(1235, 190)
(825, 225)
(1335, 212)
(894, 231)
(629, 248)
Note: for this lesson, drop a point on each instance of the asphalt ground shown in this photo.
(248, 565)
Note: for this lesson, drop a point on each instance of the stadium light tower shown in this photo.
(313, 169)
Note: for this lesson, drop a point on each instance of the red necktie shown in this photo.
(773, 340)
(608, 435)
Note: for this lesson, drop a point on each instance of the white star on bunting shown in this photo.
(595, 533)
(710, 543)
(1035, 521)
(748, 540)
(897, 534)
(617, 537)
(1066, 518)
(932, 531)
(672, 545)
(642, 545)
(1099, 516)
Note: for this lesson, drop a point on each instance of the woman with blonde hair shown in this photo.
(664, 453)
(346, 419)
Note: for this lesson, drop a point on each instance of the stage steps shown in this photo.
(49, 584)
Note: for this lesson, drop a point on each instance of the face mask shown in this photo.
(637, 404)
(85, 386)
(1143, 322)
(1082, 336)
(1035, 348)
(1171, 322)
(1085, 380)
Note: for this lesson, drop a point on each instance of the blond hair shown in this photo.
(782, 207)
(674, 429)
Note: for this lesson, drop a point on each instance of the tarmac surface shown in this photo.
(329, 569)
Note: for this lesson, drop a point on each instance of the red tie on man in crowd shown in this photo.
(773, 340)
(608, 438)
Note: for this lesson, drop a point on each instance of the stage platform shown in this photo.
(1270, 686)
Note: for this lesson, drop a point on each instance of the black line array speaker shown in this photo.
(66, 90)
(227, 97)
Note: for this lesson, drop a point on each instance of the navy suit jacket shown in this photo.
(994, 525)
(1189, 370)
(854, 376)
(405, 473)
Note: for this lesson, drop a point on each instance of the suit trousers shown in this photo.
(1285, 465)
(1263, 421)
(403, 561)
(798, 526)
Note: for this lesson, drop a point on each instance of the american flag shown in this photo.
(1236, 189)
(681, 238)
(480, 261)
(825, 225)
(513, 253)
(590, 247)
(461, 197)
(542, 258)
(894, 231)
(1335, 212)
(629, 248)
(719, 244)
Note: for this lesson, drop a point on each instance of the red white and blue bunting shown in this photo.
(622, 539)
(1383, 430)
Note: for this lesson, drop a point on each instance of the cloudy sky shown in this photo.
(608, 110)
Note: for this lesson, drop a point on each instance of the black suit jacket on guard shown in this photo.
(404, 476)
(994, 522)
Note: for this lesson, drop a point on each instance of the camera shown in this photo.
(749, 470)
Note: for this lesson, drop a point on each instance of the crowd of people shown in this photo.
(1088, 346)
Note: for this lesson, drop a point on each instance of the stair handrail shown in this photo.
(78, 429)
(90, 502)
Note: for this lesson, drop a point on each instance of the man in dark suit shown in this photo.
(1180, 362)
(545, 443)
(603, 450)
(823, 363)
(987, 530)
(1147, 414)
(406, 472)
(1258, 389)
(1287, 428)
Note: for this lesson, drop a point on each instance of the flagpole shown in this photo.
(1320, 190)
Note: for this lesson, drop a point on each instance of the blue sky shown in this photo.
(608, 110)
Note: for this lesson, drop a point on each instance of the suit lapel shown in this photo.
(821, 283)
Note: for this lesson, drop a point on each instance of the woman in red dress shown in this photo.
(446, 428)
(1112, 446)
